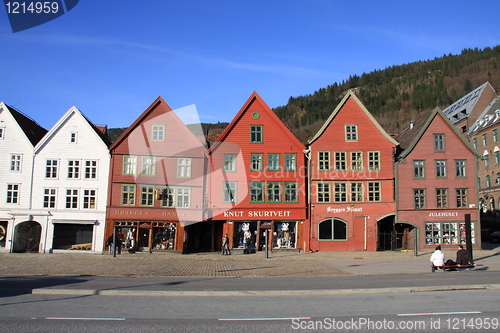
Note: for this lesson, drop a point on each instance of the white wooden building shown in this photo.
(70, 185)
(18, 136)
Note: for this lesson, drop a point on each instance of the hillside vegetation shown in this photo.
(396, 95)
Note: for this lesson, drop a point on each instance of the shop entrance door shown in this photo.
(144, 239)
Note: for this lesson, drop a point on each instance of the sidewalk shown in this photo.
(289, 264)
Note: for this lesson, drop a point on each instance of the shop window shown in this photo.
(284, 235)
(447, 233)
(244, 235)
(332, 229)
(164, 236)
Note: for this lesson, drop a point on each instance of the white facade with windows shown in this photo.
(70, 180)
(18, 134)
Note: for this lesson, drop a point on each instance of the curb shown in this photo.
(221, 293)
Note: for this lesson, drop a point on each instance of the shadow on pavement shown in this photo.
(20, 285)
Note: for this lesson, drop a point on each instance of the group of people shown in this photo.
(438, 259)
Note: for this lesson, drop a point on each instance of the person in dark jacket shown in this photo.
(463, 257)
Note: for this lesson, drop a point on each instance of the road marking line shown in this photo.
(437, 313)
(262, 319)
(76, 318)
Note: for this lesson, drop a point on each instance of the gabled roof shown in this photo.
(489, 117)
(351, 94)
(60, 123)
(464, 106)
(254, 97)
(411, 135)
(30, 128)
(172, 117)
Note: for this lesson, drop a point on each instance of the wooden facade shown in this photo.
(258, 181)
(436, 183)
(157, 182)
(351, 180)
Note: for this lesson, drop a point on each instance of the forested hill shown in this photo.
(396, 95)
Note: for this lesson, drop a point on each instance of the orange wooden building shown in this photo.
(436, 174)
(351, 181)
(157, 184)
(258, 181)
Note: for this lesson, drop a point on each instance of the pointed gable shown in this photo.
(352, 110)
(30, 128)
(256, 112)
(411, 136)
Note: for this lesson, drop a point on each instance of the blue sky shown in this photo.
(111, 59)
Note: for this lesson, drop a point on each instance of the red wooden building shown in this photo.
(258, 181)
(436, 175)
(157, 184)
(351, 181)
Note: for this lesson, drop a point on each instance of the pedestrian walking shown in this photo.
(225, 245)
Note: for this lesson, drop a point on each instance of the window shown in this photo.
(474, 142)
(147, 195)
(356, 191)
(340, 161)
(488, 181)
(183, 197)
(374, 160)
(273, 192)
(340, 192)
(418, 169)
(441, 168)
(90, 169)
(419, 196)
(273, 162)
(460, 169)
(323, 160)
(49, 198)
(73, 169)
(13, 193)
(439, 143)
(485, 140)
(229, 192)
(71, 198)
(323, 192)
(291, 189)
(332, 230)
(478, 183)
(495, 135)
(486, 159)
(128, 195)
(89, 199)
(374, 194)
(158, 133)
(51, 169)
(229, 162)
(256, 162)
(290, 162)
(167, 196)
(256, 191)
(15, 162)
(446, 233)
(72, 137)
(442, 198)
(148, 165)
(351, 132)
(356, 161)
(256, 134)
(184, 167)
(461, 197)
(129, 164)
(2, 132)
(497, 157)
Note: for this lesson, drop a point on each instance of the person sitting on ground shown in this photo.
(437, 257)
(463, 257)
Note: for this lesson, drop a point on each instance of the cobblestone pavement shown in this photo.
(235, 265)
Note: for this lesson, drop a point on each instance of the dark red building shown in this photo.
(352, 181)
(436, 174)
(157, 184)
(258, 181)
